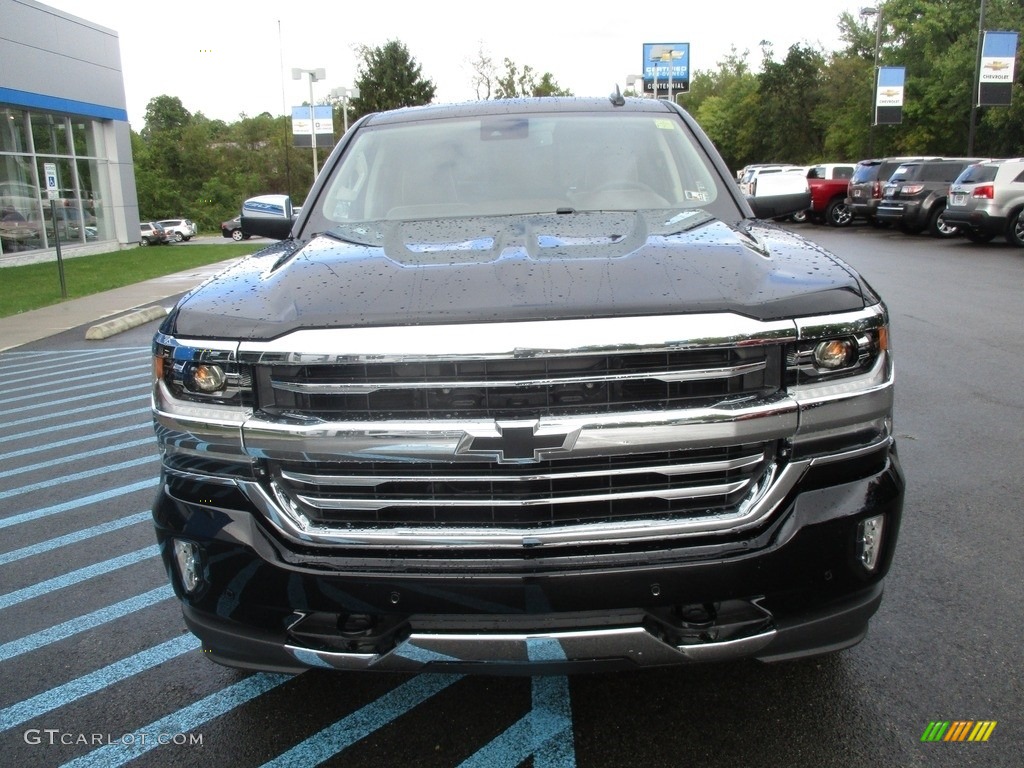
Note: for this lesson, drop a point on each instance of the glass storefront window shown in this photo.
(76, 146)
(50, 134)
(12, 131)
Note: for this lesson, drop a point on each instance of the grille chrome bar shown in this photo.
(350, 504)
(363, 388)
(671, 470)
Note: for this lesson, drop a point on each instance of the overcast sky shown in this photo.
(227, 58)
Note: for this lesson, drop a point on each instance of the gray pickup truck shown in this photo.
(526, 387)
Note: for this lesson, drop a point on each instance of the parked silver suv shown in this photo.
(987, 199)
(179, 230)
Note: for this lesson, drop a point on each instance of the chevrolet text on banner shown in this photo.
(995, 81)
(889, 96)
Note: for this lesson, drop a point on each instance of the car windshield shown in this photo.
(499, 165)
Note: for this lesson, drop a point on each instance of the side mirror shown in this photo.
(268, 215)
(779, 194)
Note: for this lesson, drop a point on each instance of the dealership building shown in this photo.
(65, 144)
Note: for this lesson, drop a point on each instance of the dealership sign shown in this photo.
(998, 57)
(666, 68)
(889, 96)
(302, 126)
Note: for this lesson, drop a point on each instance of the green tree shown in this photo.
(389, 78)
(512, 82)
(723, 103)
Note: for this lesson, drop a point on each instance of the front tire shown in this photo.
(143, 243)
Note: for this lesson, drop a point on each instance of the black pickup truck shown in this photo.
(526, 387)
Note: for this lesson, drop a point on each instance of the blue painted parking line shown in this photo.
(183, 721)
(546, 733)
(78, 399)
(70, 426)
(105, 407)
(68, 458)
(75, 440)
(74, 538)
(31, 383)
(77, 504)
(77, 576)
(96, 681)
(88, 474)
(83, 623)
(361, 723)
(91, 388)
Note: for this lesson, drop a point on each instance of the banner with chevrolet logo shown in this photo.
(995, 81)
(889, 96)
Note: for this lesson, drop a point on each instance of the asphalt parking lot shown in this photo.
(99, 670)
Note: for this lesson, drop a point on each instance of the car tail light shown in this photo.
(984, 192)
(911, 189)
(876, 189)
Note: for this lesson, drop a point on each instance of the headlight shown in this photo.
(815, 360)
(202, 374)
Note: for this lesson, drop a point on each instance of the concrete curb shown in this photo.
(125, 322)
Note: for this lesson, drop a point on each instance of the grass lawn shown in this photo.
(38, 285)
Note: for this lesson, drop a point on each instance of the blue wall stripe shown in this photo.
(185, 720)
(69, 426)
(106, 470)
(361, 723)
(104, 406)
(74, 538)
(31, 100)
(77, 576)
(76, 504)
(96, 681)
(79, 456)
(82, 623)
(76, 440)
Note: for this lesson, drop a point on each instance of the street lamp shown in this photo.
(875, 11)
(344, 95)
(314, 75)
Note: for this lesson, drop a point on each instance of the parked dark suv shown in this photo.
(915, 196)
(865, 189)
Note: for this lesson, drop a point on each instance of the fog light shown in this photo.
(869, 541)
(190, 567)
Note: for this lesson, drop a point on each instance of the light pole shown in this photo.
(875, 11)
(344, 95)
(314, 75)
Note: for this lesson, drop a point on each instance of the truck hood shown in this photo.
(520, 268)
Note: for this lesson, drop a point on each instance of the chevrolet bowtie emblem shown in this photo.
(519, 442)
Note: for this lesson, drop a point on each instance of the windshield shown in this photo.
(516, 164)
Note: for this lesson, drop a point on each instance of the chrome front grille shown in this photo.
(666, 486)
(533, 387)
